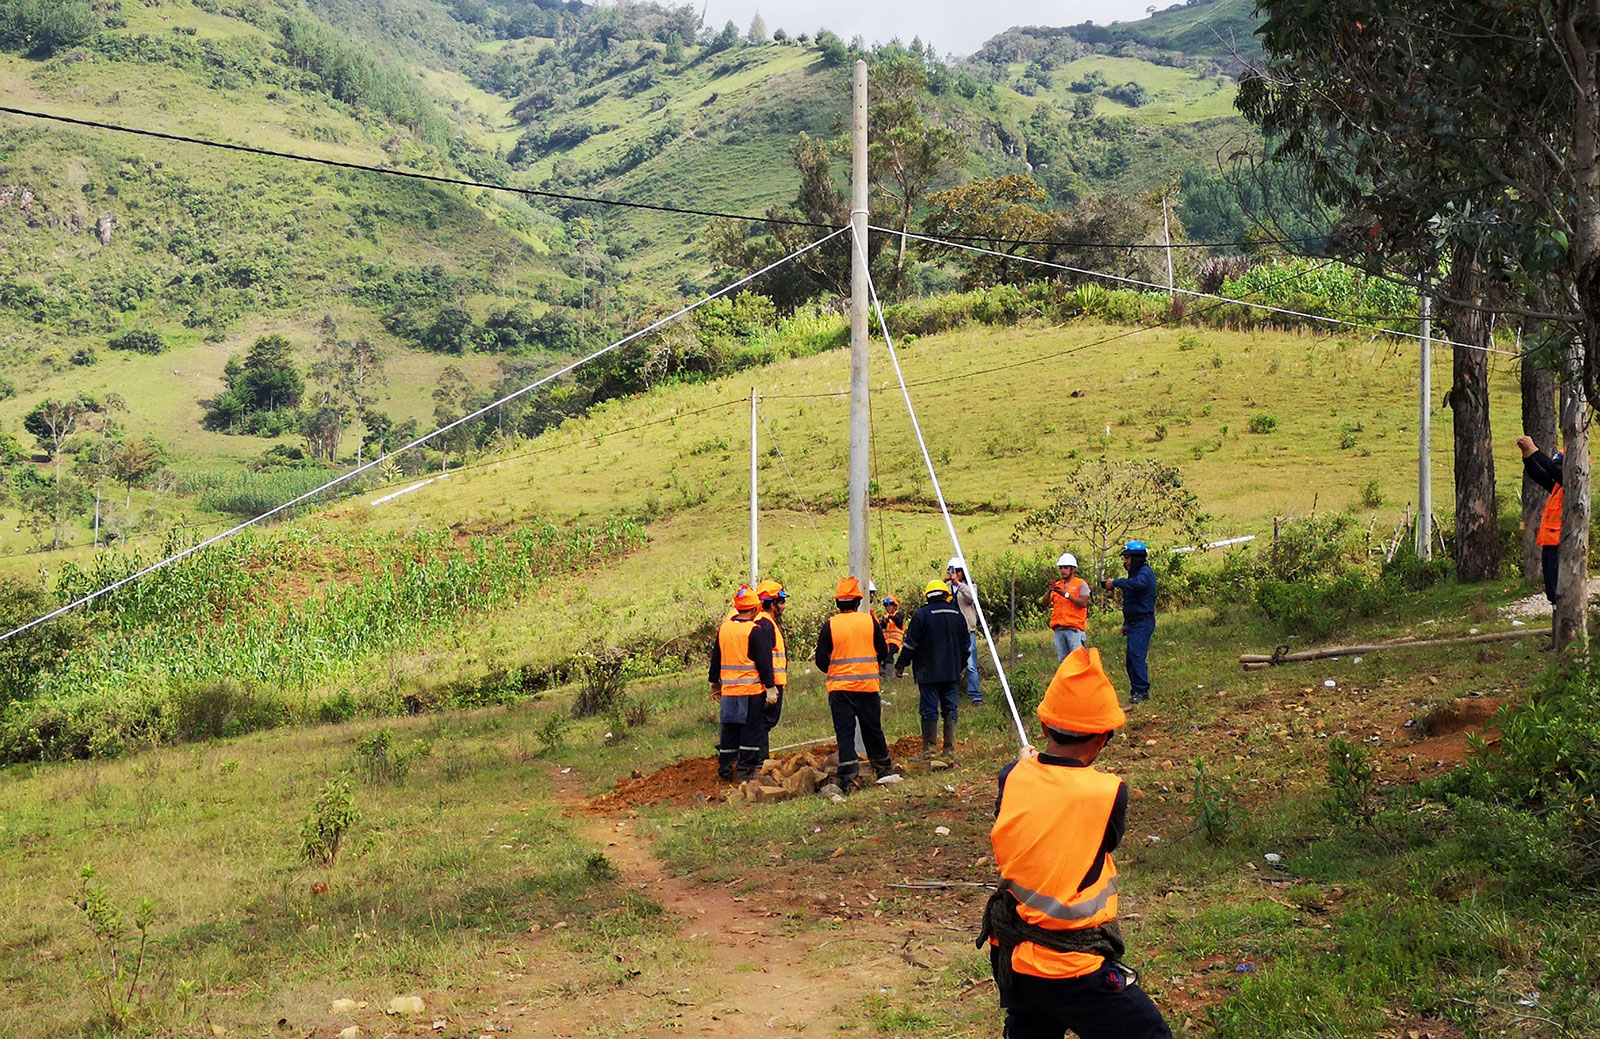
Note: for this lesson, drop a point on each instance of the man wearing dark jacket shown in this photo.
(1545, 470)
(1138, 616)
(936, 647)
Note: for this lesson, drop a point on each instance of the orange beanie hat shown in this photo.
(746, 599)
(1081, 698)
(848, 588)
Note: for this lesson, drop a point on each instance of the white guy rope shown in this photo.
(1198, 295)
(230, 532)
(949, 525)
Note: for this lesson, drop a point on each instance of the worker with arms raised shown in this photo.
(773, 598)
(851, 650)
(1068, 603)
(1055, 945)
(742, 685)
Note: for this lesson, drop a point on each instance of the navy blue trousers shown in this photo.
(1139, 631)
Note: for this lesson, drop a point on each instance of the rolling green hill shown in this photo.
(203, 252)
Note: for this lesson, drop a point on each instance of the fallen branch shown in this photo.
(935, 885)
(1256, 661)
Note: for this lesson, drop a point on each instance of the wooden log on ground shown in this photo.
(1269, 659)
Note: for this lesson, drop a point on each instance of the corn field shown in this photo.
(241, 611)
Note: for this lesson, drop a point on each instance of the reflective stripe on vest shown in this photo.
(738, 673)
(853, 665)
(1047, 838)
(780, 653)
(1550, 522)
(1064, 613)
(894, 633)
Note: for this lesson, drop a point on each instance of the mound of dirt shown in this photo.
(694, 780)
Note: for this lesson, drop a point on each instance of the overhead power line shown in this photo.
(561, 196)
(1157, 287)
(408, 174)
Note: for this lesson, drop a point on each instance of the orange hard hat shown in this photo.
(847, 588)
(1081, 698)
(770, 589)
(746, 599)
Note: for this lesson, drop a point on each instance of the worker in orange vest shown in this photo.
(850, 651)
(894, 630)
(773, 599)
(1545, 470)
(742, 685)
(1068, 603)
(1055, 945)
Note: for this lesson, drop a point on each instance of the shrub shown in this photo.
(333, 812)
(1213, 806)
(1263, 423)
(139, 340)
(601, 681)
(215, 709)
(377, 761)
(1352, 783)
(1320, 607)
(1311, 546)
(118, 963)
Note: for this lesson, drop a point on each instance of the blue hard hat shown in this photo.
(890, 600)
(1134, 546)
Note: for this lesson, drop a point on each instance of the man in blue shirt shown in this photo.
(1138, 616)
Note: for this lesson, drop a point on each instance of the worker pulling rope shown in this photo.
(944, 508)
(419, 441)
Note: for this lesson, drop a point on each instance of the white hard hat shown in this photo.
(872, 588)
(1067, 559)
(956, 563)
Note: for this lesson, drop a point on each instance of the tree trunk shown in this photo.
(1477, 522)
(1572, 584)
(1538, 422)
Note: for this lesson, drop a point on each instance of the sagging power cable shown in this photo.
(1156, 286)
(460, 182)
(419, 441)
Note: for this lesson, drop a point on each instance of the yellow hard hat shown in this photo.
(936, 588)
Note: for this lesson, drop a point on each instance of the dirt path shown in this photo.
(752, 980)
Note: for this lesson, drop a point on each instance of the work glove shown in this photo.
(772, 697)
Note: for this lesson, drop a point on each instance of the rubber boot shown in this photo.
(930, 728)
(949, 739)
(1550, 646)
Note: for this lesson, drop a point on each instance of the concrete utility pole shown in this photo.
(1424, 461)
(754, 513)
(860, 428)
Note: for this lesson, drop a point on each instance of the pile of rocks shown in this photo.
(795, 775)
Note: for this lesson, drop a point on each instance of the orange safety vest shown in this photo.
(1064, 613)
(1550, 522)
(1047, 836)
(739, 674)
(894, 632)
(780, 652)
(853, 665)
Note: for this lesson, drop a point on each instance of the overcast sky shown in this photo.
(954, 26)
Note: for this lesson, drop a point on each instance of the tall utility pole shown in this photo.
(754, 513)
(860, 428)
(1424, 461)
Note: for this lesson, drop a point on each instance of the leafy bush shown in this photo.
(43, 27)
(1312, 546)
(117, 967)
(1320, 607)
(1263, 423)
(1352, 783)
(223, 707)
(601, 681)
(333, 812)
(139, 340)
